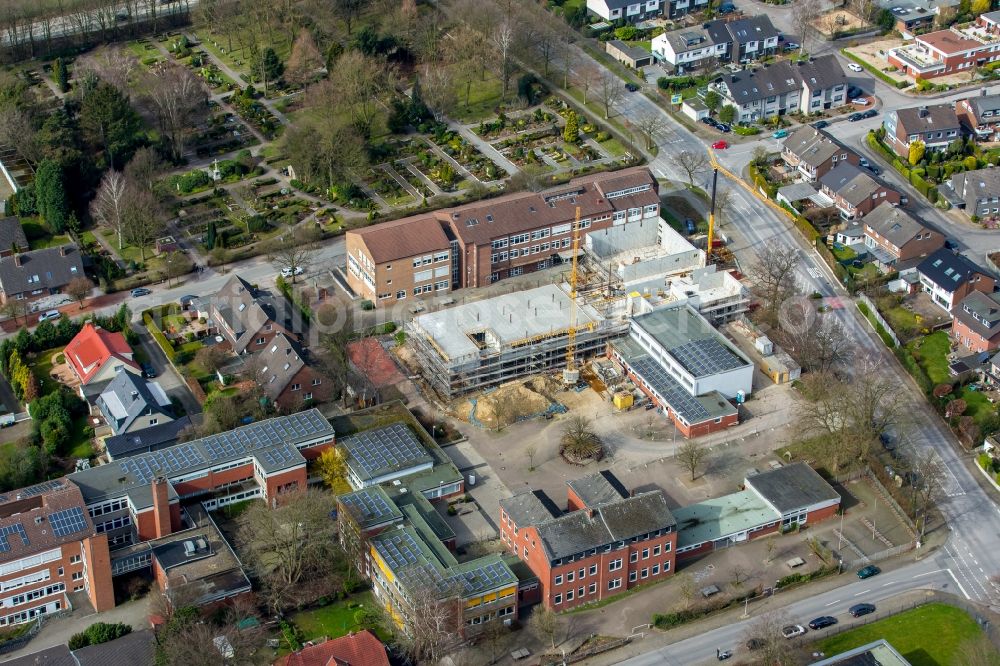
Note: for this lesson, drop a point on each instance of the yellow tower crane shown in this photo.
(711, 219)
(572, 374)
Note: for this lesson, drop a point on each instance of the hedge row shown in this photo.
(285, 288)
(795, 578)
(876, 71)
(161, 339)
(667, 620)
(906, 357)
(882, 333)
(761, 182)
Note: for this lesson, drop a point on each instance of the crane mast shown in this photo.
(572, 374)
(711, 219)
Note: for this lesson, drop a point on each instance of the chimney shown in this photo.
(923, 113)
(17, 260)
(982, 92)
(161, 508)
(62, 250)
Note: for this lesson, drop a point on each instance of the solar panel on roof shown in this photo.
(370, 504)
(40, 488)
(67, 521)
(672, 392)
(6, 531)
(392, 447)
(706, 357)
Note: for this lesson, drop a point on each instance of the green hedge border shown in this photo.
(882, 333)
(875, 70)
(161, 339)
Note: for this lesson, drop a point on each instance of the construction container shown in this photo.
(623, 400)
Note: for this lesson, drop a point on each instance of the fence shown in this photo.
(873, 313)
(584, 653)
(22, 640)
(879, 556)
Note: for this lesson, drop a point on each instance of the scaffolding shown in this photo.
(541, 316)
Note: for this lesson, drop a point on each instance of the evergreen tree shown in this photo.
(50, 191)
(571, 132)
(210, 236)
(417, 110)
(60, 74)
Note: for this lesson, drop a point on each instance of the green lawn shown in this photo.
(483, 98)
(926, 636)
(42, 367)
(614, 147)
(931, 352)
(334, 620)
(48, 241)
(843, 253)
(977, 406)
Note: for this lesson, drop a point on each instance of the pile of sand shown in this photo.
(511, 402)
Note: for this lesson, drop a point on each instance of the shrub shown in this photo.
(154, 330)
(97, 633)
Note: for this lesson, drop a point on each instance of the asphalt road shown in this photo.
(972, 553)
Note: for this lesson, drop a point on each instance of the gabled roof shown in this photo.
(919, 119)
(974, 186)
(948, 270)
(688, 39)
(244, 309)
(985, 104)
(850, 183)
(980, 312)
(894, 224)
(93, 348)
(12, 235)
(137, 647)
(128, 396)
(406, 237)
(41, 517)
(280, 362)
(51, 268)
(812, 146)
(741, 31)
(360, 649)
(822, 73)
(756, 84)
(605, 524)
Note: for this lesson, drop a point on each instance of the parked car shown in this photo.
(148, 371)
(792, 46)
(870, 113)
(709, 120)
(857, 610)
(722, 655)
(690, 226)
(720, 145)
(869, 571)
(49, 315)
(855, 67)
(860, 101)
(7, 420)
(727, 8)
(287, 271)
(780, 134)
(141, 291)
(723, 127)
(822, 622)
(631, 87)
(855, 117)
(793, 630)
(820, 124)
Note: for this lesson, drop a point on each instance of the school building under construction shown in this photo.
(489, 342)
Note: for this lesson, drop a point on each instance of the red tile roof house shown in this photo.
(95, 355)
(944, 52)
(976, 323)
(936, 125)
(360, 649)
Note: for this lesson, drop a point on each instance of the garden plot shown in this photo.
(467, 157)
(223, 134)
(504, 126)
(388, 188)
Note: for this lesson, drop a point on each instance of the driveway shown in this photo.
(165, 373)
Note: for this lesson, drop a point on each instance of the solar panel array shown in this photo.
(706, 357)
(372, 505)
(295, 427)
(391, 448)
(279, 455)
(147, 467)
(40, 488)
(487, 577)
(399, 551)
(6, 531)
(672, 392)
(67, 521)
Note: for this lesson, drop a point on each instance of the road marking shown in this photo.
(833, 602)
(864, 592)
(928, 573)
(952, 574)
(887, 584)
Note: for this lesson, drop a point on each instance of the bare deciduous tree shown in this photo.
(503, 38)
(773, 276)
(356, 85)
(650, 125)
(545, 623)
(803, 14)
(691, 455)
(290, 542)
(141, 222)
(79, 288)
(610, 90)
(692, 163)
(432, 623)
(294, 251)
(179, 102)
(111, 202)
(771, 646)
